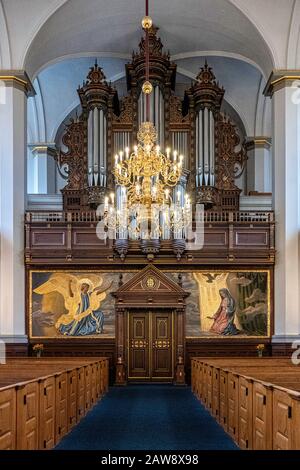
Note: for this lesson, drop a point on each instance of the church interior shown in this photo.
(149, 224)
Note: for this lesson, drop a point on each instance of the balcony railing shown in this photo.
(91, 216)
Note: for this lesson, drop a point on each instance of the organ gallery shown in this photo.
(155, 242)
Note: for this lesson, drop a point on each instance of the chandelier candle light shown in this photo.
(146, 176)
(147, 173)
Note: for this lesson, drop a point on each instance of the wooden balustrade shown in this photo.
(43, 399)
(71, 237)
(257, 401)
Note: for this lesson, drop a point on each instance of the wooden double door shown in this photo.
(150, 348)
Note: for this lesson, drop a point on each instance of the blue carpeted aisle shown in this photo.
(148, 417)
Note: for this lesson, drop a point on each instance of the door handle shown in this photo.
(139, 344)
(161, 344)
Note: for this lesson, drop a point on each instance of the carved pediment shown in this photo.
(151, 281)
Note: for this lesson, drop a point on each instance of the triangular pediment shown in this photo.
(151, 279)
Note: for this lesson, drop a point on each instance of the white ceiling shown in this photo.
(55, 41)
(113, 28)
(34, 32)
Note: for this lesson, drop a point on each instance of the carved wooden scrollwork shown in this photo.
(126, 112)
(230, 161)
(162, 70)
(206, 91)
(175, 109)
(74, 160)
(155, 45)
(95, 76)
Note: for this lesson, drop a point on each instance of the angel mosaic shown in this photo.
(82, 298)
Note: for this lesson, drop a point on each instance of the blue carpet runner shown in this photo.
(148, 417)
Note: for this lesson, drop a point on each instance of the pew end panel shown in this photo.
(8, 417)
(262, 416)
(28, 398)
(245, 413)
(47, 413)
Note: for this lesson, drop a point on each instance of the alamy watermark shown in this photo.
(296, 353)
(164, 222)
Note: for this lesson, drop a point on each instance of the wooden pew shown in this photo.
(80, 393)
(223, 399)
(245, 404)
(42, 399)
(61, 406)
(232, 404)
(209, 386)
(262, 408)
(88, 387)
(216, 392)
(259, 400)
(72, 383)
(286, 417)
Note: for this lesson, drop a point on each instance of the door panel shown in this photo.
(138, 345)
(162, 345)
(150, 345)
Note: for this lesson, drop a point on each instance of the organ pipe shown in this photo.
(157, 112)
(97, 147)
(90, 141)
(201, 149)
(212, 149)
(205, 148)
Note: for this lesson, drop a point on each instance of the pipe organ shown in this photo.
(72, 240)
(194, 126)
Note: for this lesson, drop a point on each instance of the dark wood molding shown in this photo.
(68, 238)
(104, 347)
(16, 349)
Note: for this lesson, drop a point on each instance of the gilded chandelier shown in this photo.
(147, 173)
(150, 203)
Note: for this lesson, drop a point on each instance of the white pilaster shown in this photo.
(286, 201)
(41, 171)
(259, 165)
(13, 153)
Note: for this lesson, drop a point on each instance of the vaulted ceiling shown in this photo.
(56, 41)
(35, 32)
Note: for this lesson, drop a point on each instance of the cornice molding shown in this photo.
(18, 79)
(259, 142)
(279, 79)
(42, 148)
